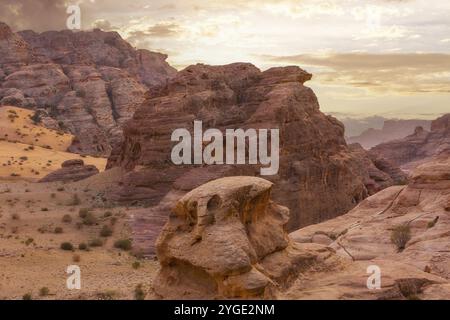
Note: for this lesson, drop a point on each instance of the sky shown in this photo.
(374, 57)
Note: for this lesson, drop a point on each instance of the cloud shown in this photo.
(39, 15)
(396, 72)
(164, 29)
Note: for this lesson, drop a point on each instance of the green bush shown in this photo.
(89, 219)
(400, 236)
(26, 296)
(96, 242)
(139, 293)
(83, 212)
(58, 230)
(124, 244)
(44, 291)
(83, 246)
(67, 218)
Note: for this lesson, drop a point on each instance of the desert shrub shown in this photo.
(76, 258)
(106, 231)
(139, 293)
(113, 220)
(67, 218)
(15, 216)
(432, 223)
(136, 265)
(96, 242)
(89, 219)
(29, 241)
(26, 296)
(107, 295)
(107, 214)
(83, 212)
(66, 246)
(124, 244)
(83, 246)
(75, 201)
(44, 209)
(44, 291)
(60, 189)
(400, 236)
(58, 230)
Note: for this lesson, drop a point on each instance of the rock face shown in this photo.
(315, 162)
(418, 147)
(381, 172)
(419, 268)
(89, 82)
(71, 170)
(226, 239)
(391, 130)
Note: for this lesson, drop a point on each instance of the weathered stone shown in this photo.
(227, 239)
(71, 170)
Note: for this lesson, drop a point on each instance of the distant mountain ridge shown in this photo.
(392, 129)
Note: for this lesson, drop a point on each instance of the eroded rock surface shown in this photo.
(227, 239)
(71, 170)
(89, 82)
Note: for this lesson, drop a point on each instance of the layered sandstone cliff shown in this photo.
(89, 82)
(419, 146)
(319, 176)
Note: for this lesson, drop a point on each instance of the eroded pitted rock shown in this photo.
(227, 239)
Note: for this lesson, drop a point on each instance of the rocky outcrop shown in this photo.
(391, 130)
(369, 235)
(226, 239)
(315, 162)
(418, 147)
(71, 170)
(381, 172)
(89, 82)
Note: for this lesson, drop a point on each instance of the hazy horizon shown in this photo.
(384, 57)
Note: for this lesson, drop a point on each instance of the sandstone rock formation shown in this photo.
(418, 147)
(391, 130)
(90, 82)
(381, 173)
(315, 162)
(226, 239)
(71, 170)
(364, 237)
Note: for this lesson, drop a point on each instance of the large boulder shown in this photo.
(71, 170)
(227, 239)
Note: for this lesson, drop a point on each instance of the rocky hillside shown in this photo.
(418, 147)
(391, 130)
(89, 82)
(319, 176)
